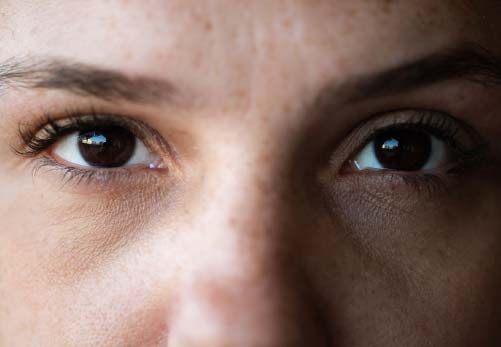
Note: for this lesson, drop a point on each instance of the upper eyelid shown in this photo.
(42, 158)
(438, 123)
(447, 137)
(465, 137)
(35, 139)
(362, 134)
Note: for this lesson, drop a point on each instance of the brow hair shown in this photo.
(468, 61)
(83, 80)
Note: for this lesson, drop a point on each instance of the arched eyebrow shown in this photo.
(469, 61)
(84, 80)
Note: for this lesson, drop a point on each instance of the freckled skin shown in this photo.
(254, 238)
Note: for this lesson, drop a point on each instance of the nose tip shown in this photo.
(264, 308)
(241, 284)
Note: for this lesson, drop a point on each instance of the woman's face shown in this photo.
(250, 173)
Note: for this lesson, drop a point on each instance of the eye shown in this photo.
(408, 150)
(104, 147)
(97, 148)
(403, 150)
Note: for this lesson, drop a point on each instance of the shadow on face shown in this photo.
(230, 173)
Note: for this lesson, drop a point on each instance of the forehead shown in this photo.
(120, 22)
(235, 43)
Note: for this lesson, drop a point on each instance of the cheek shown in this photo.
(411, 264)
(121, 309)
(85, 295)
(69, 270)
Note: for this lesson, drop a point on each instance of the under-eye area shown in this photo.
(250, 173)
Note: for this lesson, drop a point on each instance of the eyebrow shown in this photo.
(84, 80)
(470, 61)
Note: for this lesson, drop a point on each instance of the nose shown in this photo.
(245, 286)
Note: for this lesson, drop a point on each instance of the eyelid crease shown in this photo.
(37, 139)
(443, 126)
(463, 139)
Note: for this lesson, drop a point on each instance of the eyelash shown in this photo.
(440, 125)
(35, 142)
(445, 128)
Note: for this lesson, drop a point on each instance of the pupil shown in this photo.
(403, 150)
(107, 147)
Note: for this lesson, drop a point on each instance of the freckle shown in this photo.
(241, 93)
(263, 186)
(233, 222)
(265, 158)
(286, 109)
(208, 26)
(352, 12)
(386, 7)
(348, 29)
(286, 23)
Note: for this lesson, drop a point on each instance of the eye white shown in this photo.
(68, 150)
(366, 159)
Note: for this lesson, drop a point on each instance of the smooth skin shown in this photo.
(255, 236)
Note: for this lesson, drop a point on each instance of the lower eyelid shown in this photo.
(400, 185)
(37, 148)
(460, 136)
(103, 179)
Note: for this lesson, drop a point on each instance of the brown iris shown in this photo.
(107, 147)
(403, 150)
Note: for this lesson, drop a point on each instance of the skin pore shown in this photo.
(255, 230)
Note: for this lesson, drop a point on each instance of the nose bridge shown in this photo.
(249, 217)
(244, 197)
(240, 226)
(244, 288)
